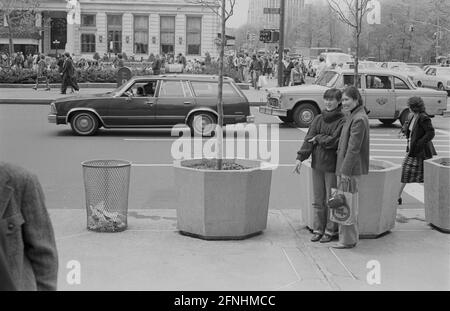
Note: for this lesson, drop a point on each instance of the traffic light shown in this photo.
(265, 36)
(275, 36)
(269, 36)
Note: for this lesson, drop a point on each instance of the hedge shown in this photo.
(92, 74)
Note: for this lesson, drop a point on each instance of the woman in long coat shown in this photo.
(420, 132)
(352, 156)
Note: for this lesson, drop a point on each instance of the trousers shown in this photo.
(322, 184)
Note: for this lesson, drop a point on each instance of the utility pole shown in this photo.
(438, 33)
(281, 46)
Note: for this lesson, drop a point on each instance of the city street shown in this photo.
(54, 154)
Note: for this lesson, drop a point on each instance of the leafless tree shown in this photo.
(351, 13)
(224, 9)
(20, 19)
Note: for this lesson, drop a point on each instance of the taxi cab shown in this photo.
(385, 94)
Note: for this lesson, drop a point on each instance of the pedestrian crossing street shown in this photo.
(387, 146)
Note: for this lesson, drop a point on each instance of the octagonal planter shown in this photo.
(437, 192)
(221, 205)
(377, 198)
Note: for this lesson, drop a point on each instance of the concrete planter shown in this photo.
(437, 193)
(377, 198)
(218, 205)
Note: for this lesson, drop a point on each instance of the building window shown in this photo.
(167, 34)
(194, 35)
(87, 20)
(87, 43)
(115, 33)
(140, 34)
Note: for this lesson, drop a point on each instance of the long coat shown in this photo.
(26, 232)
(353, 151)
(420, 137)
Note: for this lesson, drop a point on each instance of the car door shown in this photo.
(402, 92)
(379, 95)
(429, 78)
(175, 100)
(135, 107)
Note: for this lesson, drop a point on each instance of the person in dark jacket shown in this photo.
(287, 68)
(26, 231)
(6, 282)
(420, 132)
(68, 74)
(353, 156)
(255, 69)
(156, 66)
(321, 142)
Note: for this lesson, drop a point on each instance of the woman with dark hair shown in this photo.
(321, 143)
(420, 132)
(352, 156)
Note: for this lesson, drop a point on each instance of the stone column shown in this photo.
(154, 45)
(39, 24)
(180, 33)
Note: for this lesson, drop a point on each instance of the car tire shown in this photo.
(404, 117)
(84, 123)
(304, 114)
(202, 124)
(419, 83)
(387, 121)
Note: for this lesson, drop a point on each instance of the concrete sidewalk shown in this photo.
(28, 96)
(152, 255)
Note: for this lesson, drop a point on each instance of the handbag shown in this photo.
(337, 198)
(345, 210)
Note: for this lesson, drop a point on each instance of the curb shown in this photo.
(58, 86)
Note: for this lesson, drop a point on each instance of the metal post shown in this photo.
(281, 45)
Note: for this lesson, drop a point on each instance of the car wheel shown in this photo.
(285, 119)
(404, 117)
(202, 124)
(441, 87)
(304, 114)
(388, 121)
(419, 84)
(84, 123)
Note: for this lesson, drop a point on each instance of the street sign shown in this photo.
(374, 12)
(272, 11)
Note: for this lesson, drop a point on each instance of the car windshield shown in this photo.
(339, 58)
(328, 79)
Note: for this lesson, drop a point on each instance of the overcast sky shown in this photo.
(240, 15)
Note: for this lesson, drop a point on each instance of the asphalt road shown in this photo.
(55, 155)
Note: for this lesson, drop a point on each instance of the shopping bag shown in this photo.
(344, 207)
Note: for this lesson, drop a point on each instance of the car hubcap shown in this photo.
(307, 116)
(203, 124)
(84, 124)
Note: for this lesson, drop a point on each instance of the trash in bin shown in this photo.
(106, 188)
(104, 221)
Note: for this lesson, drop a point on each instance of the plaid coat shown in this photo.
(26, 232)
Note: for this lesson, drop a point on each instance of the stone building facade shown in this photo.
(135, 27)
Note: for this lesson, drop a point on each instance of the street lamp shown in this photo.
(56, 43)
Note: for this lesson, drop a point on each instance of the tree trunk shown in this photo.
(357, 33)
(220, 91)
(10, 37)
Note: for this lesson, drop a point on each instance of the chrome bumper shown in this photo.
(52, 118)
(273, 111)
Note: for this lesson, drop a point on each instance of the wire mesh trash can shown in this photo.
(106, 184)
